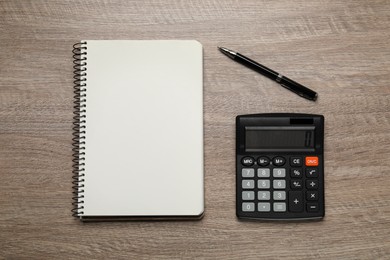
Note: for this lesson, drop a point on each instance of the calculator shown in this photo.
(280, 166)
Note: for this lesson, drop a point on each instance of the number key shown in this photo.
(279, 195)
(263, 195)
(263, 184)
(279, 172)
(248, 195)
(279, 184)
(248, 184)
(263, 172)
(248, 172)
(248, 206)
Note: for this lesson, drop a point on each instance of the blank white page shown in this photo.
(144, 129)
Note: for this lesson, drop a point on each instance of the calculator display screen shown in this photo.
(260, 138)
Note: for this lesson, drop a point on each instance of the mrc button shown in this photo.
(311, 161)
(247, 161)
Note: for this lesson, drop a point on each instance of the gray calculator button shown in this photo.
(279, 195)
(248, 184)
(248, 206)
(248, 172)
(263, 184)
(279, 172)
(263, 172)
(248, 195)
(280, 207)
(263, 195)
(264, 207)
(279, 184)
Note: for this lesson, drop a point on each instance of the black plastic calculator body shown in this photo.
(280, 166)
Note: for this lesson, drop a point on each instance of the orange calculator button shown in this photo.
(311, 161)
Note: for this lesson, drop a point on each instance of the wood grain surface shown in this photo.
(338, 48)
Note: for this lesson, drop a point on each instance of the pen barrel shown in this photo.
(256, 66)
(298, 88)
(282, 80)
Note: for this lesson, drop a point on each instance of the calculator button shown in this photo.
(263, 184)
(295, 201)
(247, 161)
(263, 161)
(296, 173)
(312, 207)
(312, 195)
(248, 172)
(279, 172)
(279, 161)
(263, 172)
(280, 207)
(296, 184)
(248, 195)
(264, 207)
(248, 184)
(311, 184)
(311, 161)
(279, 195)
(296, 161)
(263, 195)
(279, 184)
(311, 172)
(248, 206)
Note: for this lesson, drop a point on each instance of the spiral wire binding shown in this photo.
(79, 126)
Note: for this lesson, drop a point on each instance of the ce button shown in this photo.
(296, 161)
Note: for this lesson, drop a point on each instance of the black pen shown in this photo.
(282, 80)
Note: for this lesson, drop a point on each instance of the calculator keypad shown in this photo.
(280, 184)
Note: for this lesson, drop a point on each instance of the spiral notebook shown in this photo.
(138, 130)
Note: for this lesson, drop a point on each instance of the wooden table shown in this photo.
(339, 48)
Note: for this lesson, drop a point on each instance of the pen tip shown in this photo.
(222, 49)
(229, 53)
